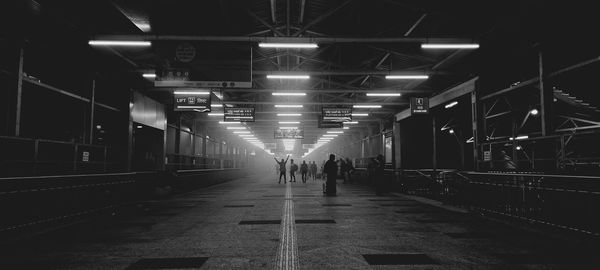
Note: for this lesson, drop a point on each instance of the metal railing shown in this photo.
(31, 157)
(28, 202)
(562, 201)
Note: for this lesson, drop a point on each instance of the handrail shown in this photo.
(66, 176)
(207, 170)
(537, 175)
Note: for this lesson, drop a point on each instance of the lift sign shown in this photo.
(419, 105)
(192, 103)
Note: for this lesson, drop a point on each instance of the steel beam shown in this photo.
(314, 103)
(302, 5)
(321, 18)
(343, 72)
(263, 22)
(412, 28)
(19, 92)
(273, 11)
(286, 39)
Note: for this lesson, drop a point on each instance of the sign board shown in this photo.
(323, 124)
(308, 146)
(419, 105)
(487, 155)
(271, 146)
(85, 156)
(339, 114)
(185, 52)
(203, 64)
(192, 102)
(289, 133)
(238, 114)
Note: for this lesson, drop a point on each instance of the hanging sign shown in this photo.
(238, 114)
(337, 114)
(487, 155)
(192, 103)
(419, 105)
(326, 124)
(289, 133)
(308, 146)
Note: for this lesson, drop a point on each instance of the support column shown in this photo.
(92, 104)
(396, 146)
(546, 100)
(17, 131)
(474, 129)
(130, 141)
(434, 139)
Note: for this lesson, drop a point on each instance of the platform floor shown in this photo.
(256, 223)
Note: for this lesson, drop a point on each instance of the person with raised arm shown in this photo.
(282, 168)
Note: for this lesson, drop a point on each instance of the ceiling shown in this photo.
(360, 41)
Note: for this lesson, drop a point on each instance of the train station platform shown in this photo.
(255, 223)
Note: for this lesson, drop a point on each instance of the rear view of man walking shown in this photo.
(331, 169)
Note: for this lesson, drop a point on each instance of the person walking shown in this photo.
(293, 169)
(331, 169)
(304, 170)
(378, 174)
(313, 170)
(343, 169)
(349, 170)
(282, 169)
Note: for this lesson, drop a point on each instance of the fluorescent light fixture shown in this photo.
(289, 122)
(192, 93)
(288, 106)
(246, 135)
(366, 106)
(289, 114)
(383, 94)
(289, 45)
(229, 123)
(407, 77)
(450, 46)
(241, 132)
(335, 132)
(119, 43)
(216, 105)
(346, 128)
(144, 26)
(360, 114)
(330, 135)
(216, 114)
(139, 126)
(236, 128)
(288, 77)
(451, 104)
(288, 94)
(523, 137)
(149, 75)
(351, 123)
(288, 127)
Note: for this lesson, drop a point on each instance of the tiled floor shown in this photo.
(237, 225)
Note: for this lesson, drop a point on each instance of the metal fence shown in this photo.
(560, 201)
(32, 157)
